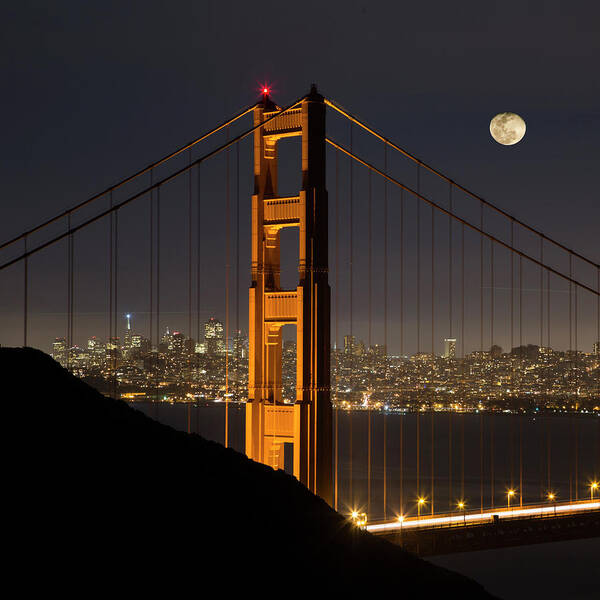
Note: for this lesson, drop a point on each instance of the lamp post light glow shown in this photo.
(359, 519)
(461, 506)
(510, 494)
(401, 520)
(593, 487)
(420, 502)
(552, 498)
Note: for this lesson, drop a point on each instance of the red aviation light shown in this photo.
(265, 89)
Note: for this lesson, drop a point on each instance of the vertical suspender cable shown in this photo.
(491, 419)
(385, 327)
(450, 330)
(238, 340)
(69, 270)
(157, 290)
(71, 286)
(418, 418)
(227, 244)
(570, 359)
(549, 428)
(370, 350)
(189, 328)
(198, 249)
(481, 355)
(110, 341)
(520, 302)
(597, 464)
(116, 304)
(198, 269)
(576, 302)
(522, 491)
(540, 355)
(25, 291)
(402, 345)
(351, 321)
(433, 360)
(337, 350)
(541, 293)
(462, 344)
(151, 281)
(512, 344)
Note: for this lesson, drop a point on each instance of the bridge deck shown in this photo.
(445, 534)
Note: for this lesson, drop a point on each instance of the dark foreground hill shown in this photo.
(102, 499)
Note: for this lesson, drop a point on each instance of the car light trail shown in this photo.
(461, 519)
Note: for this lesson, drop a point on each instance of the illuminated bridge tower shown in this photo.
(272, 427)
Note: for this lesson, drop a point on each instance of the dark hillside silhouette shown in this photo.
(102, 499)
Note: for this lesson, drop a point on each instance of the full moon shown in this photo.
(507, 128)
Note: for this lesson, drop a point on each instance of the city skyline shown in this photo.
(525, 378)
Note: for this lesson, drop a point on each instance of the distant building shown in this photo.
(60, 351)
(96, 352)
(379, 350)
(349, 342)
(496, 351)
(240, 345)
(214, 338)
(597, 348)
(450, 348)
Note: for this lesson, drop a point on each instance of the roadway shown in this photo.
(462, 518)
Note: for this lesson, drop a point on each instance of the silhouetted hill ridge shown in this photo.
(101, 493)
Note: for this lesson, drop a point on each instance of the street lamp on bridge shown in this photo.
(593, 487)
(461, 506)
(552, 498)
(510, 494)
(420, 502)
(359, 519)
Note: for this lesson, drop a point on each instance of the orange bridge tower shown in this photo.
(274, 428)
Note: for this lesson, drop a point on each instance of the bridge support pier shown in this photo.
(271, 420)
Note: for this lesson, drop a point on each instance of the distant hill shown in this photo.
(102, 499)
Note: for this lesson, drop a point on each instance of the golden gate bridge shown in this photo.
(416, 258)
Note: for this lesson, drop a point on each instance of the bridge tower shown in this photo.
(273, 427)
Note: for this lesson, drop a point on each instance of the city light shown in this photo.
(593, 488)
(420, 502)
(138, 362)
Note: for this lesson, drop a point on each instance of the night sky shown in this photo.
(93, 91)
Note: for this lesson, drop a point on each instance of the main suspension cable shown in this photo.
(153, 186)
(123, 182)
(463, 221)
(408, 155)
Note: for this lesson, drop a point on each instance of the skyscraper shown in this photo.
(96, 352)
(213, 337)
(597, 348)
(450, 348)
